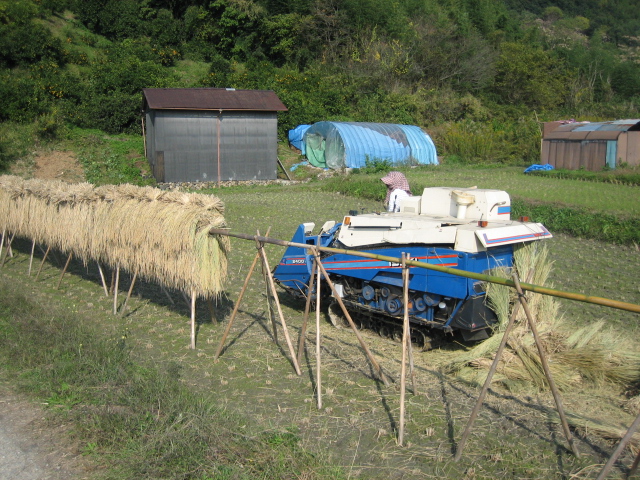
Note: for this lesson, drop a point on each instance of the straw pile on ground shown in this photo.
(592, 355)
(161, 235)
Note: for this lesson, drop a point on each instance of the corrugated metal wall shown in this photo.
(632, 149)
(183, 145)
(572, 155)
(591, 146)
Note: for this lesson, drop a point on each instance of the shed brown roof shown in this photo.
(212, 99)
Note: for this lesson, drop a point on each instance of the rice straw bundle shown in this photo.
(598, 427)
(633, 405)
(161, 235)
(588, 355)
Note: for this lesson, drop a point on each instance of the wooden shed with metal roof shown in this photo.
(211, 134)
(591, 146)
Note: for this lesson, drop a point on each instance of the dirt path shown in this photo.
(31, 448)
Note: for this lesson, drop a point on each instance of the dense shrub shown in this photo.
(24, 44)
(114, 112)
(18, 96)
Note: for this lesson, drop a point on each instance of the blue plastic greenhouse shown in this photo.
(351, 144)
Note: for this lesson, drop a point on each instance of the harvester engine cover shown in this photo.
(467, 229)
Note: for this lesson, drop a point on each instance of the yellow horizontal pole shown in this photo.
(631, 307)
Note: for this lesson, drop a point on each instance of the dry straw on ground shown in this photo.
(161, 235)
(593, 355)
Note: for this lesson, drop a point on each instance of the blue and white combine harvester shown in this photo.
(462, 228)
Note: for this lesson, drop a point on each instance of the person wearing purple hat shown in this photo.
(397, 189)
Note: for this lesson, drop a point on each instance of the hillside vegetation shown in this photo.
(478, 74)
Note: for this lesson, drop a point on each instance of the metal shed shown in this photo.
(592, 146)
(211, 134)
(351, 144)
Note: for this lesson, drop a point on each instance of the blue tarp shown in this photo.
(295, 137)
(351, 144)
(536, 167)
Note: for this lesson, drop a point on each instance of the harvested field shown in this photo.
(515, 435)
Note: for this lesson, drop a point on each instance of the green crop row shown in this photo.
(619, 178)
(580, 222)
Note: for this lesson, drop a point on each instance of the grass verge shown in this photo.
(135, 420)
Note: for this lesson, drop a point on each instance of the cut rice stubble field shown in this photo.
(513, 437)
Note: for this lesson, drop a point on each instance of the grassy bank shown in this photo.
(133, 419)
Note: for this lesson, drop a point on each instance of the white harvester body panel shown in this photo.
(470, 219)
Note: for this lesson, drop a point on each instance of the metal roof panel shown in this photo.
(212, 99)
(586, 130)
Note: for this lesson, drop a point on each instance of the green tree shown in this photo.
(441, 57)
(283, 38)
(115, 19)
(625, 80)
(528, 75)
(165, 30)
(23, 40)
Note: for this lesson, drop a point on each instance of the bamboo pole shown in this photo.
(144, 135)
(113, 280)
(545, 366)
(193, 320)
(7, 252)
(42, 262)
(64, 270)
(405, 328)
(187, 300)
(211, 310)
(364, 346)
(236, 307)
(307, 307)
(9, 249)
(318, 337)
(167, 294)
(619, 449)
(634, 467)
(115, 290)
(412, 370)
(126, 300)
(487, 382)
(104, 283)
(631, 307)
(274, 292)
(218, 142)
(33, 249)
(265, 269)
